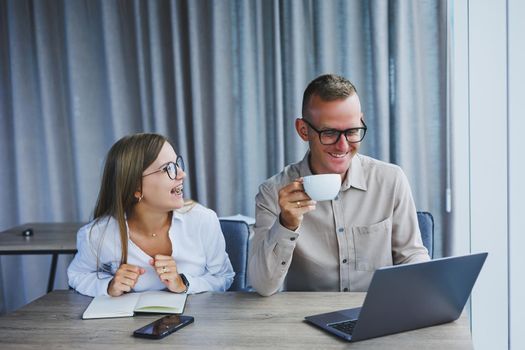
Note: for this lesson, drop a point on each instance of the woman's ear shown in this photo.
(138, 196)
(302, 129)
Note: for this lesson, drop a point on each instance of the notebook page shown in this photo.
(161, 302)
(105, 306)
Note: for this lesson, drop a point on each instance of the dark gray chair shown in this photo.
(426, 226)
(236, 235)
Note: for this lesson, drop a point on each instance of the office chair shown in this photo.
(426, 226)
(236, 235)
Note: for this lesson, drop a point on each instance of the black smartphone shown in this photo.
(163, 326)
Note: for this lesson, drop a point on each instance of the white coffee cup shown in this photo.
(322, 187)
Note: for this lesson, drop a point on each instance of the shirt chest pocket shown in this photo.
(373, 245)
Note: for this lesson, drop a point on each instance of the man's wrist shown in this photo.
(285, 225)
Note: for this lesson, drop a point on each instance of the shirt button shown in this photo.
(283, 263)
(344, 261)
(341, 229)
(345, 290)
(292, 239)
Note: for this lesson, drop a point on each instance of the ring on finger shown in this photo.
(164, 269)
(298, 204)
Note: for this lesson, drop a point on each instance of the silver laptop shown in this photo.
(406, 297)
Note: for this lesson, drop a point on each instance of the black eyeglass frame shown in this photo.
(340, 132)
(178, 164)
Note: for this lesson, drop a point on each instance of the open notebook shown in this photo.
(126, 305)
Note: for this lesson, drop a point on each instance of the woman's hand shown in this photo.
(167, 270)
(125, 279)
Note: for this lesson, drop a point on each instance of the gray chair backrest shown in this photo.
(426, 226)
(236, 235)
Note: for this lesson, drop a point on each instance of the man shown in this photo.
(332, 245)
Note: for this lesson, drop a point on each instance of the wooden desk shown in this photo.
(47, 238)
(233, 320)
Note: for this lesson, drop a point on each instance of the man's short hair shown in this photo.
(328, 87)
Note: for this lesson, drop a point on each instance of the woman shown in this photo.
(144, 236)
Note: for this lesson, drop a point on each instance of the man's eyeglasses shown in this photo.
(171, 168)
(331, 136)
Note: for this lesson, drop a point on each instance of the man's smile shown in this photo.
(338, 155)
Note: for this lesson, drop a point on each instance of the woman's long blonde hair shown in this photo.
(125, 163)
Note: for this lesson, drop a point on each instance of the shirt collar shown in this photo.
(176, 216)
(304, 167)
(355, 176)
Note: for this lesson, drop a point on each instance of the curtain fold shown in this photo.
(222, 79)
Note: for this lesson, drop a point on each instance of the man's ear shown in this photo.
(302, 129)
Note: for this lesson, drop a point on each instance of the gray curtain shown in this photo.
(222, 79)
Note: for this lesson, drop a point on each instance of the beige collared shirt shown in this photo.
(371, 223)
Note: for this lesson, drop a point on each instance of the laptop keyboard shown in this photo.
(345, 326)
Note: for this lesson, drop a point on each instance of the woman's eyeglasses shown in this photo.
(171, 168)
